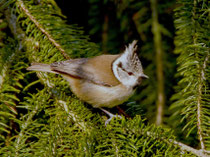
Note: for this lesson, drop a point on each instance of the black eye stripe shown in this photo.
(120, 66)
(130, 73)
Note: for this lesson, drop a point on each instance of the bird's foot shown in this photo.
(110, 116)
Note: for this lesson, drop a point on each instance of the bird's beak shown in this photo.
(144, 76)
(141, 77)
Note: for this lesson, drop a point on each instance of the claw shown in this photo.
(110, 115)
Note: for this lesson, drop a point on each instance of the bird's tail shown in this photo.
(40, 67)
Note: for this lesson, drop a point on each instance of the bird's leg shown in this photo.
(123, 112)
(110, 115)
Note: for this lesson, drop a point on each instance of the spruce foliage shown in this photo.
(39, 116)
(192, 45)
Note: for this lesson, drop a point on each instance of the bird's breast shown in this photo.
(103, 96)
(99, 95)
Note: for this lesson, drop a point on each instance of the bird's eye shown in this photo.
(130, 73)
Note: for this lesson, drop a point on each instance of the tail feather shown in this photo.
(40, 67)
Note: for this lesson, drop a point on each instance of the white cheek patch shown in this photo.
(115, 68)
(127, 80)
(122, 76)
(131, 82)
(123, 62)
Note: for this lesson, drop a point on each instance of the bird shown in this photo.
(102, 81)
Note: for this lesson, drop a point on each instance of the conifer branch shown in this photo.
(199, 123)
(183, 146)
(32, 18)
(204, 67)
(23, 127)
(62, 103)
(200, 153)
(193, 48)
(200, 81)
(2, 76)
(42, 76)
(199, 106)
(81, 125)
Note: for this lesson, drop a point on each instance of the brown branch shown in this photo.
(40, 27)
(159, 61)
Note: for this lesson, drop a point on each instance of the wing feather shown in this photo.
(97, 70)
(70, 67)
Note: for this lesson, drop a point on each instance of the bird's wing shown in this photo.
(70, 67)
(97, 70)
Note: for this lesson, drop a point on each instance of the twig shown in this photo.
(81, 124)
(184, 147)
(2, 76)
(200, 80)
(58, 46)
(19, 140)
(204, 67)
(200, 131)
(201, 153)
